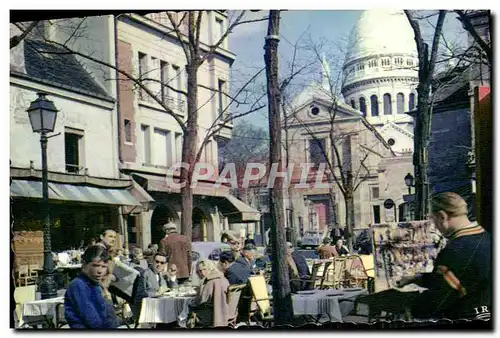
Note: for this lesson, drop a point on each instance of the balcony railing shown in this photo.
(76, 169)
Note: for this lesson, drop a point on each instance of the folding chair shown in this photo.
(22, 295)
(260, 296)
(339, 268)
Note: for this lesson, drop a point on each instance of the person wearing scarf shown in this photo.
(210, 307)
(460, 285)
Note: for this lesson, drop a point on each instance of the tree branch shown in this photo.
(470, 29)
(16, 39)
(179, 34)
(124, 73)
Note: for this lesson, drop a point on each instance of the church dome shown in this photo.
(381, 31)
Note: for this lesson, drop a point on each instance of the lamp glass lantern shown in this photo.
(42, 113)
(409, 180)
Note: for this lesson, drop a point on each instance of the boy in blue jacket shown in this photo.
(84, 304)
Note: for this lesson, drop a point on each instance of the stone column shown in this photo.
(144, 225)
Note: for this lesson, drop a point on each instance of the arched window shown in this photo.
(411, 101)
(387, 104)
(353, 103)
(362, 105)
(374, 105)
(400, 104)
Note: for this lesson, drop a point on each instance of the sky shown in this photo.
(330, 28)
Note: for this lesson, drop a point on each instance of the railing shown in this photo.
(76, 169)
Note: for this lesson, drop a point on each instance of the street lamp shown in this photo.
(43, 114)
(409, 181)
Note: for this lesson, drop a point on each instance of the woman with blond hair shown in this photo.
(460, 284)
(210, 308)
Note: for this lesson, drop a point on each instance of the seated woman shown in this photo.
(86, 302)
(210, 308)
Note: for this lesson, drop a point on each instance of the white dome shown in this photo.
(382, 31)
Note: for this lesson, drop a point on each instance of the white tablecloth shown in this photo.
(45, 307)
(163, 309)
(333, 303)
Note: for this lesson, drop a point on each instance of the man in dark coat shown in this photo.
(177, 248)
(460, 287)
(239, 271)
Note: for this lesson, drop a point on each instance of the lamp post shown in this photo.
(409, 181)
(43, 114)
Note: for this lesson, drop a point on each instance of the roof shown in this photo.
(381, 31)
(62, 70)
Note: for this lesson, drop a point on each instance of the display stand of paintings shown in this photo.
(404, 249)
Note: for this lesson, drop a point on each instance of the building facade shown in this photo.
(86, 191)
(117, 132)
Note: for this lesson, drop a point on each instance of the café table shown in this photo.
(165, 309)
(326, 305)
(43, 308)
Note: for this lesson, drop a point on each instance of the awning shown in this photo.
(235, 210)
(154, 183)
(74, 193)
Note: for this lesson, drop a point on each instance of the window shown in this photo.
(222, 97)
(208, 152)
(409, 62)
(73, 148)
(317, 150)
(372, 63)
(386, 62)
(143, 69)
(164, 80)
(315, 111)
(353, 103)
(178, 86)
(219, 29)
(387, 104)
(374, 105)
(375, 193)
(376, 214)
(391, 141)
(127, 130)
(411, 101)
(131, 229)
(178, 147)
(400, 103)
(398, 61)
(361, 66)
(146, 144)
(362, 105)
(162, 148)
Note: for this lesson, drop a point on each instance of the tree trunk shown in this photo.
(349, 219)
(189, 146)
(420, 154)
(282, 300)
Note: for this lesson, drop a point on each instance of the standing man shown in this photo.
(326, 250)
(177, 247)
(108, 239)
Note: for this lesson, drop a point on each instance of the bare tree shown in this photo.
(346, 153)
(187, 31)
(426, 66)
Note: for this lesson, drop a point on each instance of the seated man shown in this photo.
(460, 287)
(155, 276)
(239, 271)
(84, 304)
